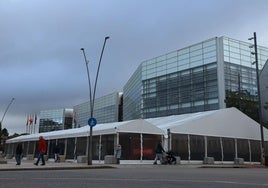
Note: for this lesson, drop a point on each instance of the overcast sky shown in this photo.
(42, 66)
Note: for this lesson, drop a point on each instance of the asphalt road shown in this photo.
(149, 176)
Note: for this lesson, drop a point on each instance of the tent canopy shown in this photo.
(228, 122)
(132, 126)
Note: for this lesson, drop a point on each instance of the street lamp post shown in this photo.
(3, 118)
(92, 98)
(258, 88)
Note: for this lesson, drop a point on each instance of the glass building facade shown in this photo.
(191, 79)
(56, 119)
(106, 109)
(264, 90)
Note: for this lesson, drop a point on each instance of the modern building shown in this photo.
(55, 119)
(193, 79)
(264, 90)
(107, 109)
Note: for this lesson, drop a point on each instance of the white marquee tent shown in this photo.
(228, 122)
(132, 126)
(223, 123)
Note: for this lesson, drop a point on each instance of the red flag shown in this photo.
(31, 120)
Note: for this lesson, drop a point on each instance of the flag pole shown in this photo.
(27, 123)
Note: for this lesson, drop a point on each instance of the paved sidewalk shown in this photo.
(71, 164)
(50, 165)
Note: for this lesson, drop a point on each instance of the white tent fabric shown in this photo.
(228, 122)
(132, 126)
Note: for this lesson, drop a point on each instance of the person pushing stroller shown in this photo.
(159, 153)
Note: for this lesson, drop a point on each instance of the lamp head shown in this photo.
(82, 49)
(106, 38)
(250, 38)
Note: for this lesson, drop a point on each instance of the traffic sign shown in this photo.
(92, 122)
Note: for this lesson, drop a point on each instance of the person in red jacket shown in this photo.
(42, 148)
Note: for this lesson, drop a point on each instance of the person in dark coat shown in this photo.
(57, 153)
(18, 155)
(159, 153)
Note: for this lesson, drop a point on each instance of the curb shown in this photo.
(233, 166)
(56, 168)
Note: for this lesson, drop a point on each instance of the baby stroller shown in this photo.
(169, 158)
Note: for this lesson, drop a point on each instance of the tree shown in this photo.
(3, 136)
(5, 132)
(244, 101)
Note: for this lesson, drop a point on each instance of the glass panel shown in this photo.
(184, 56)
(172, 55)
(209, 43)
(172, 60)
(196, 58)
(233, 43)
(161, 58)
(183, 51)
(209, 60)
(195, 53)
(161, 63)
(195, 47)
(196, 63)
(210, 54)
(185, 61)
(234, 55)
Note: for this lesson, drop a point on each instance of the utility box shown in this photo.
(239, 161)
(109, 159)
(265, 157)
(81, 159)
(208, 160)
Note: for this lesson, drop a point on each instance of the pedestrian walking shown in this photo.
(18, 155)
(118, 152)
(42, 148)
(159, 153)
(57, 153)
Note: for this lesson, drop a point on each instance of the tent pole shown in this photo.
(75, 146)
(87, 150)
(236, 156)
(189, 148)
(48, 149)
(100, 149)
(221, 150)
(249, 148)
(206, 146)
(28, 145)
(65, 147)
(141, 139)
(117, 138)
(169, 139)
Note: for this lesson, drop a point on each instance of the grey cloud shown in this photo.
(41, 63)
